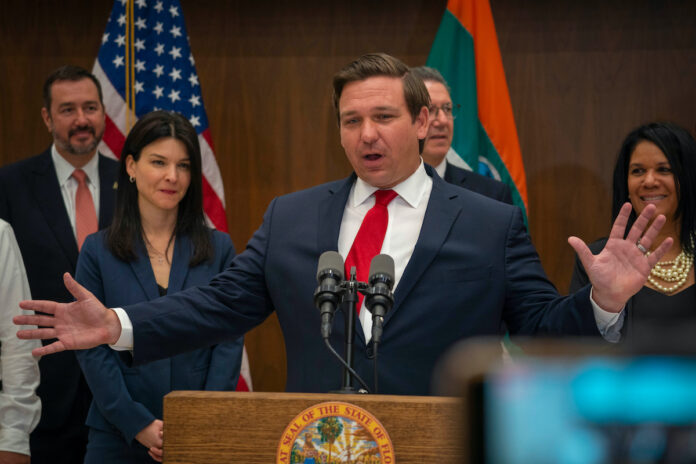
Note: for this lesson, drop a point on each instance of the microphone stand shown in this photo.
(350, 301)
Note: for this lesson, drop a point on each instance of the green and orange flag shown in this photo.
(466, 52)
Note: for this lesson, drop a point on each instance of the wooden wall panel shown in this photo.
(581, 74)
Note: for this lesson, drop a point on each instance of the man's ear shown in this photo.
(422, 123)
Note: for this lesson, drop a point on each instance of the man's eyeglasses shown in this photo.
(449, 110)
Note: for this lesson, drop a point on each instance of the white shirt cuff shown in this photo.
(125, 341)
(608, 323)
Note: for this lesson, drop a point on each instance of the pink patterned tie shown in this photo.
(368, 241)
(85, 214)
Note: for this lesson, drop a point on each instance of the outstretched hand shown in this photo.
(621, 269)
(84, 323)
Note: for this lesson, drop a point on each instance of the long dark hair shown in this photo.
(679, 148)
(126, 228)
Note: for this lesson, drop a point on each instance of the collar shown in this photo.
(64, 169)
(441, 168)
(412, 190)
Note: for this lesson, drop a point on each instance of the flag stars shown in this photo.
(175, 52)
(193, 79)
(174, 95)
(122, 20)
(138, 87)
(195, 121)
(175, 74)
(173, 10)
(140, 44)
(175, 31)
(120, 40)
(118, 61)
(105, 38)
(139, 65)
(158, 28)
(159, 49)
(191, 60)
(159, 70)
(158, 92)
(140, 24)
(195, 100)
(159, 7)
(141, 3)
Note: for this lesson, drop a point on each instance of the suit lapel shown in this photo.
(50, 201)
(180, 264)
(330, 212)
(107, 195)
(143, 272)
(439, 217)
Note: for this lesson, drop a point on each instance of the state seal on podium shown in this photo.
(335, 433)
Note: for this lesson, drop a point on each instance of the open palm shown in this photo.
(84, 323)
(621, 269)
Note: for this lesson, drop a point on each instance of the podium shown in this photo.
(243, 427)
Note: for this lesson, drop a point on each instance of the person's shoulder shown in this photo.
(12, 170)
(95, 241)
(476, 182)
(312, 194)
(108, 161)
(220, 238)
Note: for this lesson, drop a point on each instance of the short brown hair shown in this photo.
(381, 64)
(68, 73)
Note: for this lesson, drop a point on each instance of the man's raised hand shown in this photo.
(84, 323)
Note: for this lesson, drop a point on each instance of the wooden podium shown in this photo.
(236, 427)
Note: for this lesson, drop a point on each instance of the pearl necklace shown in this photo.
(676, 270)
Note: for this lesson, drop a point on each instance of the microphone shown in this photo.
(380, 299)
(326, 296)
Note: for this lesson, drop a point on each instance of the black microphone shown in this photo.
(380, 299)
(326, 296)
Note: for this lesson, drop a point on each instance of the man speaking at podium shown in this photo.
(463, 262)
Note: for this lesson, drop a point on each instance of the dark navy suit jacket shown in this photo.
(30, 200)
(473, 266)
(477, 183)
(127, 399)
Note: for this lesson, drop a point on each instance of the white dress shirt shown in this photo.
(68, 184)
(20, 408)
(407, 210)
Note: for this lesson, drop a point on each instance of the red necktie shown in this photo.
(85, 214)
(368, 241)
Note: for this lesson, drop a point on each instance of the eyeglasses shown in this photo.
(450, 111)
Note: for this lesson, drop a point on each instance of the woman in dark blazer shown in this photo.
(657, 164)
(157, 244)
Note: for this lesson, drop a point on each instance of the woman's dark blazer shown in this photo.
(127, 399)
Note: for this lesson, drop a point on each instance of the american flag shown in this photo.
(145, 64)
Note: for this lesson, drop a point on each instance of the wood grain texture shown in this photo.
(581, 75)
(221, 427)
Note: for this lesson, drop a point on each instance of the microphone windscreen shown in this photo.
(330, 261)
(382, 264)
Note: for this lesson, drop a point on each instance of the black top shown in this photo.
(649, 304)
(652, 317)
(162, 291)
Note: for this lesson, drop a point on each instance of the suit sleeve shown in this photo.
(226, 358)
(532, 304)
(99, 364)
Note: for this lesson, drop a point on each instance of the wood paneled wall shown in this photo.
(581, 75)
